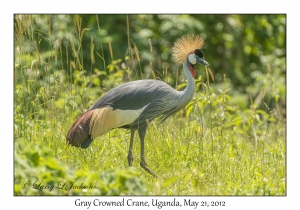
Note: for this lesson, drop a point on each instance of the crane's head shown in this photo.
(188, 48)
(195, 57)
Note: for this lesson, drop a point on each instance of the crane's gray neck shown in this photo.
(187, 94)
(182, 98)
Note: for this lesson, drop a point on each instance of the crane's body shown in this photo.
(134, 105)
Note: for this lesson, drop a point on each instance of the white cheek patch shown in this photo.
(192, 59)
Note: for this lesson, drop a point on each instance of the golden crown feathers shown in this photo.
(185, 45)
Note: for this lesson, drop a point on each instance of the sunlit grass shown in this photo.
(186, 162)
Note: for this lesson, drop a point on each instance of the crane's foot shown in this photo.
(144, 166)
(130, 159)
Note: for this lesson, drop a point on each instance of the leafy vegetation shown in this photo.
(38, 172)
(229, 140)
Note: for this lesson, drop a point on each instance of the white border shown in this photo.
(154, 6)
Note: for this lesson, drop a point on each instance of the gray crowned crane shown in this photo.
(135, 104)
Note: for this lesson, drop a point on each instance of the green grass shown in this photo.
(213, 147)
(240, 154)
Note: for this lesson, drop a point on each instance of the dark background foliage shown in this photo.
(244, 49)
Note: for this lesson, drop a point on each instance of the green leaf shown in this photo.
(179, 87)
(35, 157)
(170, 181)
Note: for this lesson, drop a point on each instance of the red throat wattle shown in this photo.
(193, 72)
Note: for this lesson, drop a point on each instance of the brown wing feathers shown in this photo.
(97, 122)
(93, 122)
(80, 129)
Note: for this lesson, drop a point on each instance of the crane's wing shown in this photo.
(131, 104)
(133, 95)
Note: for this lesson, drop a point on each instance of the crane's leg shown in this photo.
(129, 156)
(143, 164)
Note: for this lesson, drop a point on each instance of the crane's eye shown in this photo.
(192, 59)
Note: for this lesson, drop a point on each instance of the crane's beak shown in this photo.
(202, 61)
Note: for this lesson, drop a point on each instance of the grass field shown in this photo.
(213, 147)
(218, 152)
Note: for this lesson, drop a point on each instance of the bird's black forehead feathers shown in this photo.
(199, 53)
